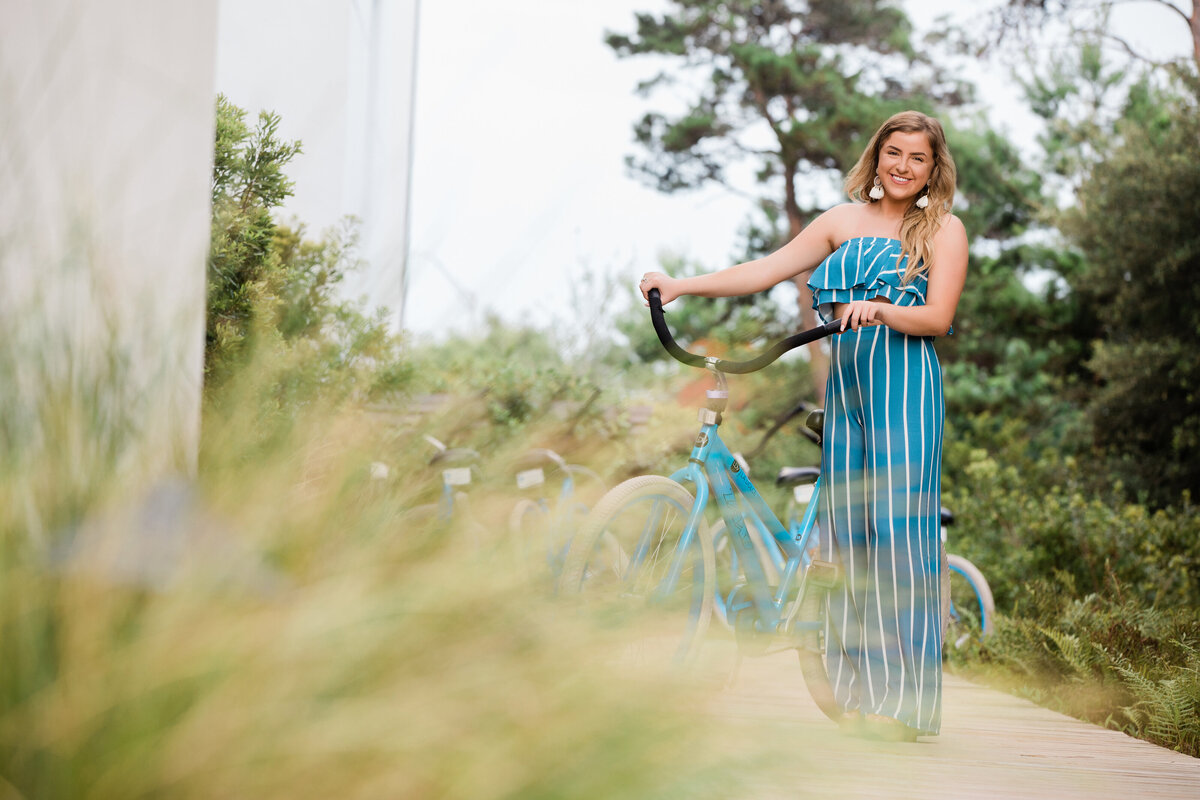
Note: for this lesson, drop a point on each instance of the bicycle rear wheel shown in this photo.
(811, 649)
(528, 527)
(589, 486)
(811, 640)
(631, 563)
(728, 573)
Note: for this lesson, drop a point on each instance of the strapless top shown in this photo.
(864, 267)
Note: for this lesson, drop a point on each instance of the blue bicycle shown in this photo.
(646, 554)
(971, 612)
(555, 498)
(459, 469)
(968, 608)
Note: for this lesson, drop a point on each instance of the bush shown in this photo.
(1021, 520)
(273, 295)
(1107, 658)
(1136, 226)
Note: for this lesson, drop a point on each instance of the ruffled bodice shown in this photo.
(862, 268)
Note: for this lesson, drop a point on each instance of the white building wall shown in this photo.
(105, 164)
(340, 73)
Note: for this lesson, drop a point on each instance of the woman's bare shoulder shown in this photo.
(841, 221)
(951, 231)
(950, 241)
(846, 212)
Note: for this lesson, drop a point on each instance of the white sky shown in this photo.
(523, 120)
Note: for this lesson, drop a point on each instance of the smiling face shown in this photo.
(905, 163)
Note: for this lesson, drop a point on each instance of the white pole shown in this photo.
(412, 118)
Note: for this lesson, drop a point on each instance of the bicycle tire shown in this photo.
(609, 581)
(811, 650)
(944, 584)
(727, 574)
(427, 518)
(587, 482)
(982, 592)
(526, 527)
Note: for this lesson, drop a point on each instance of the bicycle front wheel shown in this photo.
(528, 527)
(636, 563)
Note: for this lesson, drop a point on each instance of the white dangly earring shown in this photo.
(876, 192)
(923, 200)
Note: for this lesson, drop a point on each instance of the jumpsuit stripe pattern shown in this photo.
(881, 498)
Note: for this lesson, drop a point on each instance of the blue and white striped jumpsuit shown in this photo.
(880, 498)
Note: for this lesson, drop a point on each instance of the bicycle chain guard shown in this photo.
(750, 640)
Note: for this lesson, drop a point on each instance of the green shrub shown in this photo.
(273, 295)
(1104, 657)
(1021, 518)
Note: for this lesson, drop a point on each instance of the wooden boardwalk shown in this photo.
(992, 745)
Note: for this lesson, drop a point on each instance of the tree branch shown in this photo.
(760, 102)
(1129, 49)
(753, 151)
(1174, 8)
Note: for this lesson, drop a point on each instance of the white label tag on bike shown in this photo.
(802, 492)
(460, 476)
(530, 477)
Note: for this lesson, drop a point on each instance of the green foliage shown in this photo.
(1136, 226)
(1003, 193)
(1076, 94)
(244, 269)
(1104, 657)
(1027, 510)
(273, 295)
(1017, 354)
(781, 68)
(304, 643)
(506, 379)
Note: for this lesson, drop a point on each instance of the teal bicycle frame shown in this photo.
(714, 472)
(756, 608)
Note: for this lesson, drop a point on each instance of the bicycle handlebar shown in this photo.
(720, 364)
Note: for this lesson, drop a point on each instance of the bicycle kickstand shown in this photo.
(731, 681)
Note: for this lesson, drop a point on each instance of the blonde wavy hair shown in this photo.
(919, 224)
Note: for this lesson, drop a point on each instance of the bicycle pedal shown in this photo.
(824, 574)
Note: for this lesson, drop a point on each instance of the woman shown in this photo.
(891, 267)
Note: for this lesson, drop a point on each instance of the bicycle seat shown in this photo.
(815, 422)
(947, 517)
(455, 457)
(539, 457)
(796, 476)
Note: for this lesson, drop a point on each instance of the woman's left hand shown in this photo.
(859, 313)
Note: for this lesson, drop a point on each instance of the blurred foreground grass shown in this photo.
(273, 628)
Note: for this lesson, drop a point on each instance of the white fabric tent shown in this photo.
(341, 75)
(106, 161)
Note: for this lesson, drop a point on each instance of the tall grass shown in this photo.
(296, 638)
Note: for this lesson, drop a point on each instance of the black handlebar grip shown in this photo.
(664, 334)
(732, 367)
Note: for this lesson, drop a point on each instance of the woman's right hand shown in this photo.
(668, 287)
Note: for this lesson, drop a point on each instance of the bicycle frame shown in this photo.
(558, 537)
(714, 472)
